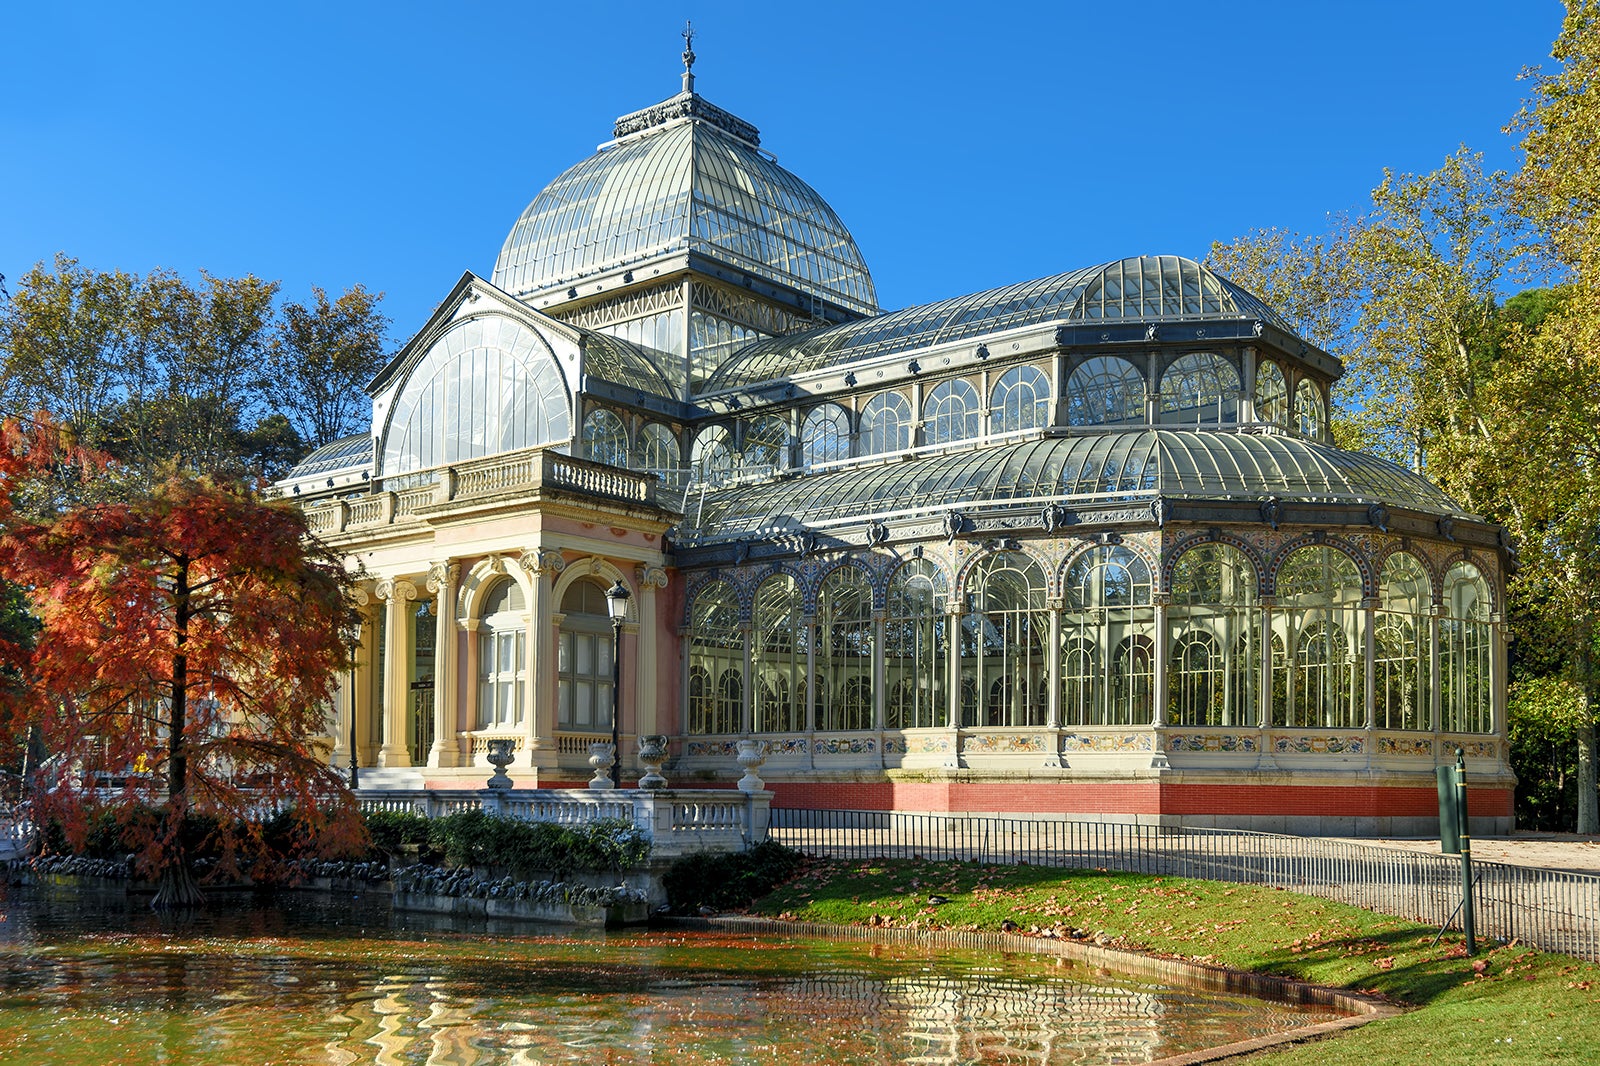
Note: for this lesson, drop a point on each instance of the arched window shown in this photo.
(1004, 638)
(584, 663)
(716, 650)
(1405, 598)
(1311, 414)
(488, 385)
(1272, 394)
(886, 424)
(1108, 625)
(712, 457)
(1465, 652)
(844, 650)
(1320, 616)
(954, 412)
(825, 435)
(916, 646)
(766, 443)
(502, 656)
(657, 451)
(1212, 678)
(1105, 391)
(1199, 388)
(1020, 400)
(605, 438)
(778, 656)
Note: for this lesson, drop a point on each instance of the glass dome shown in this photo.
(1150, 288)
(684, 177)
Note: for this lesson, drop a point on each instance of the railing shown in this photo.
(1548, 909)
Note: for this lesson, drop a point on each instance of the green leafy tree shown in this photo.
(323, 356)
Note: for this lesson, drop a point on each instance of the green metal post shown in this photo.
(1468, 924)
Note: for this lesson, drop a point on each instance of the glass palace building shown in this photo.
(1078, 546)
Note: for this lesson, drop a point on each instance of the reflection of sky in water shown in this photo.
(340, 985)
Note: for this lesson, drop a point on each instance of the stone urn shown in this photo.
(600, 753)
(752, 753)
(652, 753)
(500, 752)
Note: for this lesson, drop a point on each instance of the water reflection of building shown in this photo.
(1081, 544)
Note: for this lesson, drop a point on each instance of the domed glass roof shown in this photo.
(684, 176)
(1082, 471)
(1150, 288)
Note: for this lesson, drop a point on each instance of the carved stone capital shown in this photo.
(359, 596)
(442, 577)
(395, 589)
(653, 576)
(542, 561)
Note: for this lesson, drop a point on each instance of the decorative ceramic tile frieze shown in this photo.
(1331, 745)
(788, 746)
(845, 746)
(931, 745)
(711, 747)
(1003, 743)
(894, 746)
(1410, 747)
(1474, 749)
(1229, 742)
(1111, 742)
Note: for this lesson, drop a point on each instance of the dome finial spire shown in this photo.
(688, 56)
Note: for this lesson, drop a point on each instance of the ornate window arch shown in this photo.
(711, 458)
(1020, 400)
(716, 657)
(1215, 631)
(1003, 640)
(584, 659)
(1200, 388)
(1272, 394)
(1310, 411)
(780, 635)
(886, 424)
(825, 435)
(916, 646)
(502, 655)
(844, 650)
(953, 412)
(605, 438)
(1466, 643)
(1401, 669)
(1322, 623)
(1105, 391)
(656, 450)
(1108, 624)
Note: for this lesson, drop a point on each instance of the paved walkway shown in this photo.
(1546, 851)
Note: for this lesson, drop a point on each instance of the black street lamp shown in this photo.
(351, 631)
(617, 606)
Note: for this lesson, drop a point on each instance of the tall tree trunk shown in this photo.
(1588, 807)
(175, 884)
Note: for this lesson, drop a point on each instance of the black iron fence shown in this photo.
(1548, 909)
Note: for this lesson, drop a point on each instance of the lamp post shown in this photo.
(617, 607)
(351, 631)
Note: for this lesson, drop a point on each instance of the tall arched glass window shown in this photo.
(778, 656)
(605, 438)
(766, 443)
(1272, 394)
(1465, 651)
(825, 435)
(953, 412)
(1400, 670)
(915, 647)
(886, 424)
(1105, 391)
(716, 661)
(657, 450)
(1311, 414)
(844, 650)
(1108, 625)
(1020, 400)
(488, 385)
(1320, 617)
(584, 661)
(1003, 641)
(502, 656)
(1199, 389)
(711, 459)
(1215, 632)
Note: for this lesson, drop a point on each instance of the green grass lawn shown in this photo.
(1509, 1004)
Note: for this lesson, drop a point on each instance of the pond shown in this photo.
(308, 979)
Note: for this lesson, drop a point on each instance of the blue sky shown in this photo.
(966, 146)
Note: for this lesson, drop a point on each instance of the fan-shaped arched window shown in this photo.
(1107, 624)
(711, 460)
(778, 656)
(1199, 389)
(1020, 400)
(844, 650)
(1319, 614)
(605, 438)
(1311, 414)
(716, 657)
(1272, 394)
(766, 443)
(657, 450)
(915, 647)
(488, 385)
(502, 656)
(1215, 627)
(886, 424)
(1003, 639)
(953, 412)
(825, 435)
(1105, 391)
(1405, 598)
(1465, 652)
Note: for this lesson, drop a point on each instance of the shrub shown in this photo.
(728, 881)
(392, 831)
(479, 839)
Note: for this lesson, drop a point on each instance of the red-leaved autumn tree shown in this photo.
(189, 642)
